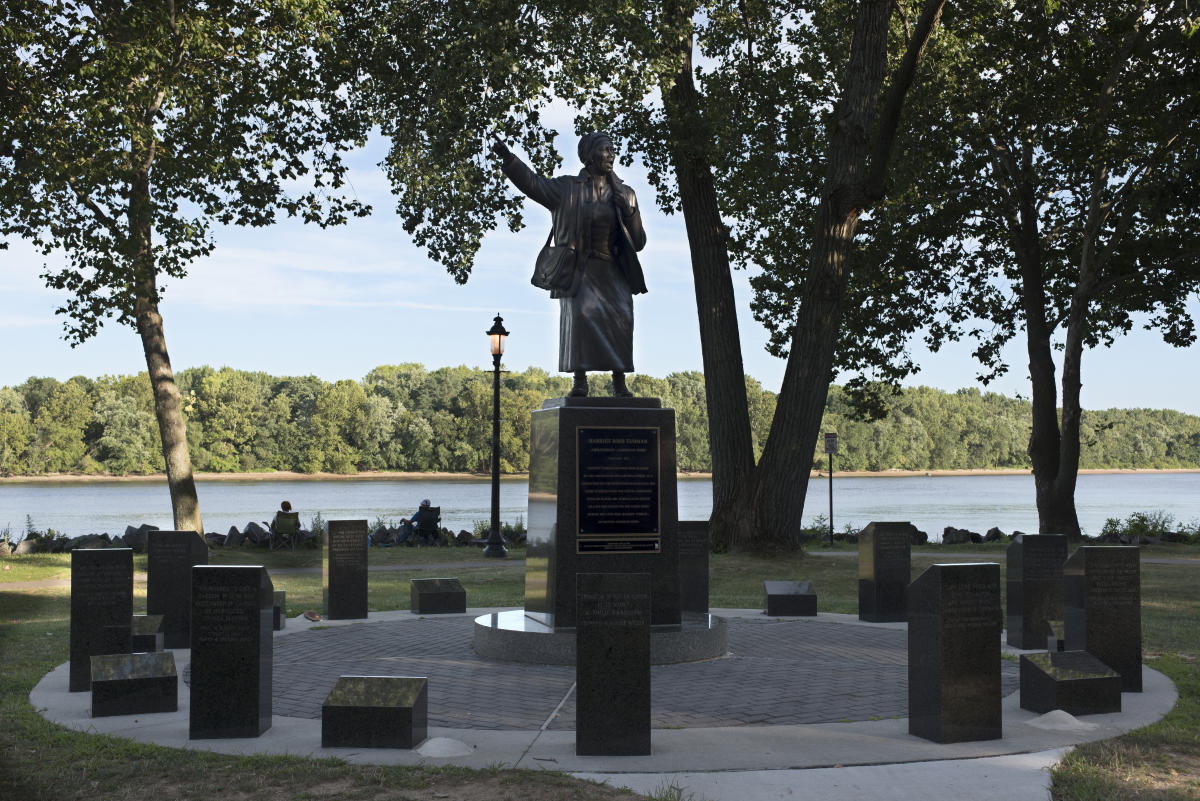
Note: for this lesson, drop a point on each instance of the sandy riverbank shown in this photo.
(70, 478)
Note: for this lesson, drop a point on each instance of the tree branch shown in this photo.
(104, 217)
(893, 102)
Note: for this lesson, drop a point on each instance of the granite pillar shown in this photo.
(170, 557)
(884, 564)
(1102, 608)
(344, 570)
(101, 609)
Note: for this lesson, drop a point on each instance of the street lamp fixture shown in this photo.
(496, 336)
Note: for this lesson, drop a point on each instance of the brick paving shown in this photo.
(777, 672)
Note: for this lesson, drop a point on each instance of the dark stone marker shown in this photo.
(1073, 681)
(147, 634)
(602, 499)
(279, 610)
(790, 598)
(693, 566)
(954, 653)
(170, 557)
(1035, 582)
(344, 570)
(231, 652)
(134, 684)
(1056, 638)
(437, 596)
(375, 712)
(884, 560)
(612, 664)
(1102, 601)
(101, 608)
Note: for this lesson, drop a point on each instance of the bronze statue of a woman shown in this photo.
(597, 216)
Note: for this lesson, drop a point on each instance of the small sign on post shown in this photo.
(830, 450)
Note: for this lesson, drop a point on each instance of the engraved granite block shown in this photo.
(101, 608)
(1102, 591)
(344, 570)
(1073, 681)
(790, 598)
(612, 664)
(1035, 582)
(231, 652)
(693, 566)
(170, 557)
(147, 634)
(134, 684)
(884, 559)
(436, 596)
(954, 653)
(375, 712)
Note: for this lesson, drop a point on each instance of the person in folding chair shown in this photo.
(422, 527)
(285, 528)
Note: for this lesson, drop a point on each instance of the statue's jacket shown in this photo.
(565, 196)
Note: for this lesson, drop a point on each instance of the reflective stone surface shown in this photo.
(147, 634)
(436, 596)
(1073, 681)
(790, 598)
(884, 560)
(612, 666)
(1035, 588)
(954, 653)
(170, 557)
(279, 610)
(134, 684)
(565, 538)
(101, 608)
(344, 570)
(693, 566)
(1102, 605)
(232, 607)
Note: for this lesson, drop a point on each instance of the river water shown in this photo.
(930, 502)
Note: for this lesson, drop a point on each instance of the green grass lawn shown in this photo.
(39, 760)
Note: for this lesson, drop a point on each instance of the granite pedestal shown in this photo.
(146, 634)
(790, 598)
(884, 564)
(1035, 587)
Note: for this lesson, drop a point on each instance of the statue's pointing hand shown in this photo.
(500, 149)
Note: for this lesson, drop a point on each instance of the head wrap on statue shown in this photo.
(588, 144)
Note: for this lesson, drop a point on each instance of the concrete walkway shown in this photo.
(801, 708)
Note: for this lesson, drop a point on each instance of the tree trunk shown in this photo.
(776, 490)
(168, 409)
(730, 441)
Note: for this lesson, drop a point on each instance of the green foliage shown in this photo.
(407, 418)
(1156, 525)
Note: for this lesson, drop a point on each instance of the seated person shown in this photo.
(286, 523)
(408, 524)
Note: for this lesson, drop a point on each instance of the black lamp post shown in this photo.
(496, 336)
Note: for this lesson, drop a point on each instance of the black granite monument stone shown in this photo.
(170, 557)
(147, 634)
(1035, 582)
(437, 596)
(375, 712)
(279, 610)
(101, 608)
(693, 566)
(344, 570)
(231, 652)
(1102, 602)
(1073, 681)
(134, 684)
(602, 499)
(954, 653)
(884, 559)
(612, 664)
(790, 598)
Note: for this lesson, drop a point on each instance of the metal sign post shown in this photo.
(830, 450)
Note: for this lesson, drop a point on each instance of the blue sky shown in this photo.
(297, 300)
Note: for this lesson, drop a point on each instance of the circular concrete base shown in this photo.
(512, 637)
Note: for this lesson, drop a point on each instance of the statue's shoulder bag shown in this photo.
(555, 267)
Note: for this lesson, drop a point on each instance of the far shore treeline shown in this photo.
(405, 417)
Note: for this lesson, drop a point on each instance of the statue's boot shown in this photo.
(579, 389)
(619, 388)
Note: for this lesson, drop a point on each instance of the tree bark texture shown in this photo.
(168, 409)
(730, 440)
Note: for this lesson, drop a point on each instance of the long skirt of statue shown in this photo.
(596, 325)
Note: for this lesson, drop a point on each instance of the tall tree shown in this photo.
(442, 78)
(128, 129)
(1070, 206)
